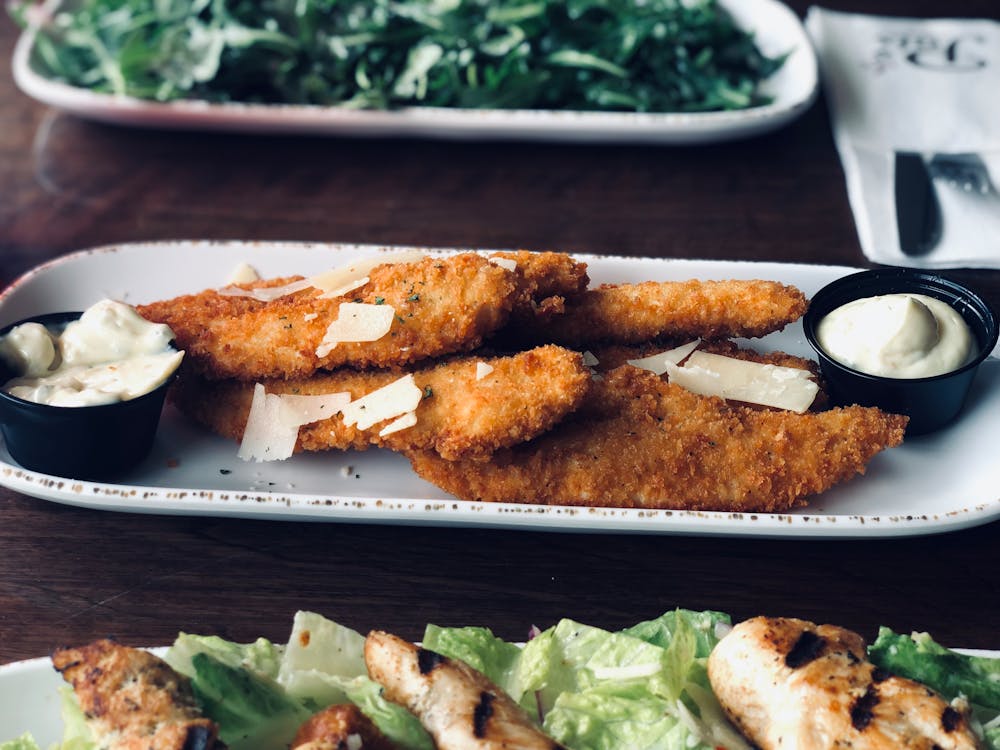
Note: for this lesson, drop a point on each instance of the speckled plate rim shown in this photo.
(192, 473)
(29, 697)
(778, 30)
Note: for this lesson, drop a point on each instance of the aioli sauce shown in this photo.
(897, 336)
(109, 354)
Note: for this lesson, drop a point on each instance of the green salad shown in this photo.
(591, 689)
(625, 55)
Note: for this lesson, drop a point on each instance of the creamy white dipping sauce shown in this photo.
(109, 354)
(897, 336)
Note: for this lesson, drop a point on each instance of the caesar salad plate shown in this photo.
(29, 698)
(777, 29)
(192, 472)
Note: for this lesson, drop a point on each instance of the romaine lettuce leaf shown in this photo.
(251, 710)
(76, 733)
(952, 674)
(479, 648)
(24, 742)
(554, 662)
(320, 654)
(262, 657)
(394, 721)
(591, 689)
(324, 663)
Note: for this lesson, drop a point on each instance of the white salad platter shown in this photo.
(777, 30)
(192, 472)
(29, 698)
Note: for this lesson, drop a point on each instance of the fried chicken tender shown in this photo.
(340, 727)
(442, 305)
(634, 313)
(546, 281)
(133, 700)
(462, 415)
(641, 442)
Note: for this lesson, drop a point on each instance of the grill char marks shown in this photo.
(790, 684)
(950, 719)
(428, 660)
(863, 709)
(807, 648)
(482, 713)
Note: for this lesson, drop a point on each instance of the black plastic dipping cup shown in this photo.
(932, 402)
(78, 442)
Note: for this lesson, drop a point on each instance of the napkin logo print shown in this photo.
(950, 54)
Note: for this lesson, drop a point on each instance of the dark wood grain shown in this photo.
(68, 575)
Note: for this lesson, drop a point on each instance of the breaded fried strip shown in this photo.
(544, 275)
(340, 727)
(458, 706)
(633, 313)
(133, 700)
(641, 442)
(441, 305)
(461, 416)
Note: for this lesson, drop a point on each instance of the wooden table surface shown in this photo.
(68, 575)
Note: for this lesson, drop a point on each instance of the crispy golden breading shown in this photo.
(546, 281)
(442, 306)
(459, 706)
(462, 416)
(340, 727)
(634, 313)
(642, 442)
(133, 700)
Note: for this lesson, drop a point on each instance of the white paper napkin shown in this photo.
(904, 84)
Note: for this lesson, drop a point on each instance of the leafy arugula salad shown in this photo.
(591, 689)
(594, 55)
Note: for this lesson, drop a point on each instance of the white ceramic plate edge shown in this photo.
(795, 87)
(190, 490)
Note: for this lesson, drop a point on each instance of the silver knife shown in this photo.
(918, 215)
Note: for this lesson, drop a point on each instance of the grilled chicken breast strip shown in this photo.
(792, 685)
(458, 706)
(133, 700)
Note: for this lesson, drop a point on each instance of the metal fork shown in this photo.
(964, 171)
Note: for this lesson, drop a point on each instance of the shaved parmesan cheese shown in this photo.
(313, 408)
(273, 423)
(266, 294)
(482, 370)
(340, 281)
(357, 321)
(657, 363)
(388, 402)
(739, 380)
(509, 263)
(244, 273)
(589, 360)
(270, 431)
(407, 420)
